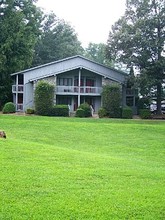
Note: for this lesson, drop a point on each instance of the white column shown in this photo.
(16, 98)
(79, 84)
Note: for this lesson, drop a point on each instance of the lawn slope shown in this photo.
(69, 168)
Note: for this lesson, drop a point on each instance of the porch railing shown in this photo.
(18, 88)
(76, 89)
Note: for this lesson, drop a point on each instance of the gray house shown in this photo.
(76, 80)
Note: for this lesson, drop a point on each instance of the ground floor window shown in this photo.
(64, 100)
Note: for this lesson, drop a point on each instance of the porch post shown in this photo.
(16, 97)
(79, 84)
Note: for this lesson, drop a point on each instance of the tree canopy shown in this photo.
(137, 39)
(58, 40)
(19, 28)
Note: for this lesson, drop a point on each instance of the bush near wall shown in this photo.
(44, 96)
(111, 100)
(143, 103)
(145, 113)
(80, 113)
(127, 113)
(102, 113)
(9, 107)
(59, 110)
(30, 111)
(86, 108)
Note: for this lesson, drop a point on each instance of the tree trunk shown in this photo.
(159, 95)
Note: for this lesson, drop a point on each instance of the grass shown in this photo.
(70, 168)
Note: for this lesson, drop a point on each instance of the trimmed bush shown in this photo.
(9, 107)
(102, 113)
(29, 111)
(127, 113)
(80, 113)
(60, 110)
(145, 113)
(44, 95)
(111, 100)
(86, 108)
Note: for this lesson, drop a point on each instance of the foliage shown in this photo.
(137, 39)
(87, 169)
(143, 103)
(97, 53)
(80, 113)
(111, 100)
(9, 107)
(102, 113)
(127, 113)
(19, 29)
(58, 40)
(59, 110)
(87, 109)
(30, 111)
(44, 95)
(145, 113)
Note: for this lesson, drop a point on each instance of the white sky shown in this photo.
(91, 19)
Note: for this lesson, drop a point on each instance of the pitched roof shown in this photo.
(72, 63)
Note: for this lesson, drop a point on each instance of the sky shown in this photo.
(91, 19)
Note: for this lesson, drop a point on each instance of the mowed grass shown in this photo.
(70, 168)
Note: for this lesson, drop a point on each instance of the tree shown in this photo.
(111, 100)
(44, 95)
(58, 40)
(19, 27)
(97, 53)
(138, 39)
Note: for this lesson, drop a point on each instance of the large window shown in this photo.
(64, 100)
(85, 81)
(64, 81)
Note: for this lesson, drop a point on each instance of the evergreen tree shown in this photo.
(138, 39)
(58, 40)
(19, 27)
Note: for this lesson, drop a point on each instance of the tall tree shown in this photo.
(19, 27)
(58, 40)
(138, 39)
(97, 53)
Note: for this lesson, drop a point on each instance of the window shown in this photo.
(64, 81)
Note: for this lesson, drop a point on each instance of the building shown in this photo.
(76, 80)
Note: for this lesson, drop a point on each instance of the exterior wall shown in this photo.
(28, 99)
(97, 104)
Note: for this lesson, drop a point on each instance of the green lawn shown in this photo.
(70, 168)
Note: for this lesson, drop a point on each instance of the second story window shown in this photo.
(64, 81)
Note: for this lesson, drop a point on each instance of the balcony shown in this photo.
(73, 90)
(17, 88)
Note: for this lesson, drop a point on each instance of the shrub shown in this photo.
(80, 113)
(102, 113)
(86, 108)
(145, 113)
(44, 95)
(127, 113)
(9, 107)
(59, 110)
(143, 103)
(29, 111)
(111, 100)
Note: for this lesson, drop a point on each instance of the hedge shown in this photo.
(59, 110)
